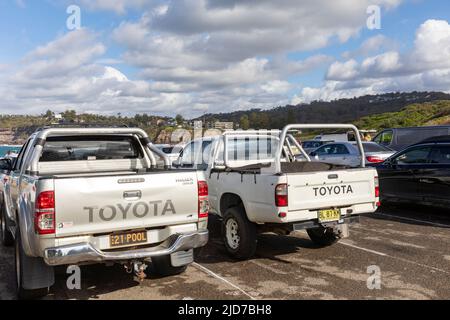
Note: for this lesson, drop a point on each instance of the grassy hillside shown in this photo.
(419, 114)
(16, 128)
(338, 111)
(368, 112)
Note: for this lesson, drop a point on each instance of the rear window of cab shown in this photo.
(91, 148)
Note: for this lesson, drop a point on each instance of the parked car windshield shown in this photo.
(332, 149)
(384, 137)
(311, 144)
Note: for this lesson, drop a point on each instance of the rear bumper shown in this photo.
(85, 252)
(314, 223)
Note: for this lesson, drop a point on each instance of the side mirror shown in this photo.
(313, 154)
(5, 164)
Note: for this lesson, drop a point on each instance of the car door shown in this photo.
(213, 176)
(396, 176)
(434, 179)
(12, 188)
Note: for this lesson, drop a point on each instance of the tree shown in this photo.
(49, 114)
(244, 123)
(264, 120)
(291, 118)
(69, 115)
(179, 119)
(254, 120)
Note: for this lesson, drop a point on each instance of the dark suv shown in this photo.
(419, 174)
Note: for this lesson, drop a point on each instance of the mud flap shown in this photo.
(342, 230)
(36, 274)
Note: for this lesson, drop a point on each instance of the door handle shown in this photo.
(132, 195)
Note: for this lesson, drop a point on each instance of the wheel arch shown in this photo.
(229, 200)
(25, 223)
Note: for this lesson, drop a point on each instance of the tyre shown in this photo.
(322, 236)
(6, 236)
(20, 259)
(239, 234)
(163, 266)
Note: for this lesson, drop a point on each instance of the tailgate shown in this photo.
(331, 189)
(93, 205)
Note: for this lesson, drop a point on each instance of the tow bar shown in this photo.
(138, 268)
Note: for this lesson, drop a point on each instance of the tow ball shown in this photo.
(137, 268)
(341, 231)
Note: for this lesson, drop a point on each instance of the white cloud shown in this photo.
(343, 70)
(276, 87)
(425, 67)
(432, 45)
(3, 67)
(63, 74)
(224, 50)
(193, 56)
(118, 6)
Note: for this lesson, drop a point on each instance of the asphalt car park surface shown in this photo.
(408, 245)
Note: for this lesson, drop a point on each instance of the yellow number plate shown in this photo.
(127, 238)
(329, 215)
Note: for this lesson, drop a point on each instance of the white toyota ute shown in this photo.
(258, 183)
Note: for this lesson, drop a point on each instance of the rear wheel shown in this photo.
(6, 236)
(163, 266)
(239, 234)
(323, 236)
(20, 258)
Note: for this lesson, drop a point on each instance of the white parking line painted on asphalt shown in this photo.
(392, 257)
(414, 220)
(363, 249)
(215, 275)
(272, 269)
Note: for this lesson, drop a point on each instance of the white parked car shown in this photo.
(311, 145)
(347, 153)
(257, 184)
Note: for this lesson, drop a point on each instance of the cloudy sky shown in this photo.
(197, 56)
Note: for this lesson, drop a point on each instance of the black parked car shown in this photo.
(419, 174)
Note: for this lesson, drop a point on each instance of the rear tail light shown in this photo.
(203, 203)
(44, 218)
(281, 195)
(374, 159)
(377, 187)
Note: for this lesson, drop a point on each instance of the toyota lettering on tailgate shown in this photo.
(332, 190)
(138, 210)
